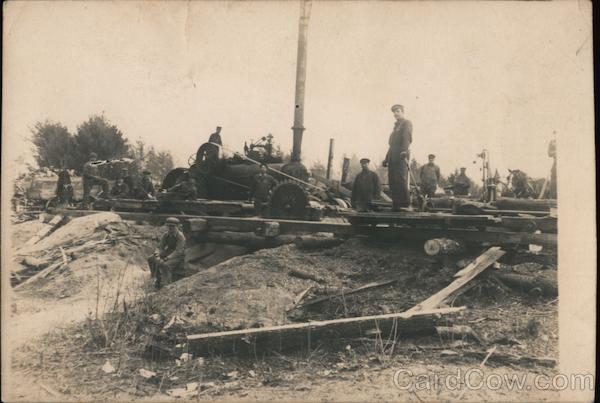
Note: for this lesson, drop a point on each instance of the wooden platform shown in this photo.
(486, 235)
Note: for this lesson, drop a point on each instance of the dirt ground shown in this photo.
(63, 326)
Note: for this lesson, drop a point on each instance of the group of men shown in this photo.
(367, 185)
(125, 187)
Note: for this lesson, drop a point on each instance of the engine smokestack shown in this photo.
(298, 127)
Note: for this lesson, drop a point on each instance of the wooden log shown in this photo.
(443, 246)
(41, 274)
(45, 231)
(529, 284)
(304, 335)
(248, 239)
(270, 229)
(305, 242)
(507, 203)
(463, 278)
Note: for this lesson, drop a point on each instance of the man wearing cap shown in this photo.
(120, 190)
(397, 157)
(429, 177)
(167, 262)
(366, 187)
(261, 188)
(128, 180)
(146, 186)
(461, 184)
(91, 178)
(212, 152)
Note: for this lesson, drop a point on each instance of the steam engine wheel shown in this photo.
(288, 200)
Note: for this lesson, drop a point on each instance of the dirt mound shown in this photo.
(259, 289)
(102, 254)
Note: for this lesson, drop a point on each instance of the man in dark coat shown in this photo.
(167, 262)
(366, 187)
(146, 190)
(429, 176)
(64, 188)
(461, 184)
(397, 157)
(212, 152)
(261, 188)
(120, 190)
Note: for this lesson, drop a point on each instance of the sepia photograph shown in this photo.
(298, 201)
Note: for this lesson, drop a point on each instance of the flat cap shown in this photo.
(146, 172)
(172, 221)
(431, 156)
(365, 160)
(93, 155)
(398, 106)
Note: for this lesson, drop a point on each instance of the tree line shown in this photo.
(55, 147)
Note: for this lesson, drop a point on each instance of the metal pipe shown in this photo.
(298, 128)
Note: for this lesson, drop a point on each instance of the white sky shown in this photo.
(499, 75)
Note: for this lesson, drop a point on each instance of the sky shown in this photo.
(472, 75)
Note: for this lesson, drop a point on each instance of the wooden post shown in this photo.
(345, 169)
(329, 159)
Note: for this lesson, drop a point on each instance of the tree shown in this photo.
(99, 135)
(159, 163)
(318, 169)
(54, 145)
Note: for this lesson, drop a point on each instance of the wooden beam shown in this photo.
(234, 224)
(248, 239)
(463, 277)
(56, 220)
(302, 335)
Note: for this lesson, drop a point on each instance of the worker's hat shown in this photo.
(146, 172)
(431, 156)
(172, 221)
(93, 155)
(463, 168)
(397, 106)
(364, 160)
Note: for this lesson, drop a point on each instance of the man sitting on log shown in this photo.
(146, 190)
(120, 190)
(167, 262)
(366, 187)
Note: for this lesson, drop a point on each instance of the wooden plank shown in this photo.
(463, 277)
(44, 231)
(302, 335)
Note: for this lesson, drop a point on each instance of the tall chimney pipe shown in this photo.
(298, 127)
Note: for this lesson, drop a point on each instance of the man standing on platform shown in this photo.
(397, 157)
(366, 187)
(461, 184)
(261, 188)
(429, 176)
